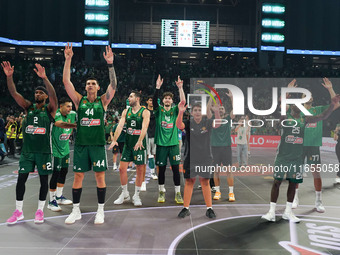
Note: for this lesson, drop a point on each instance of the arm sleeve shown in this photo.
(155, 100)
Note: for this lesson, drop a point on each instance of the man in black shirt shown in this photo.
(151, 146)
(198, 160)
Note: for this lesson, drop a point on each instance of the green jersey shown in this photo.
(90, 123)
(60, 136)
(313, 131)
(221, 136)
(291, 144)
(134, 123)
(166, 132)
(121, 138)
(37, 127)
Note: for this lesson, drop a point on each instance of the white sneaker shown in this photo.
(75, 215)
(99, 219)
(136, 201)
(337, 180)
(122, 198)
(290, 216)
(143, 187)
(269, 216)
(154, 176)
(53, 206)
(115, 167)
(295, 203)
(319, 207)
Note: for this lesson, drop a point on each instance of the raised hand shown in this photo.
(229, 94)
(8, 69)
(40, 71)
(215, 107)
(108, 55)
(292, 84)
(159, 82)
(179, 82)
(327, 83)
(68, 52)
(182, 107)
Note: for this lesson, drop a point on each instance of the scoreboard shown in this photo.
(185, 33)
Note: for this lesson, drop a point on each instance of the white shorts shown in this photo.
(151, 146)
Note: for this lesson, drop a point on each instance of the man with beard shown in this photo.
(36, 149)
(64, 117)
(289, 158)
(89, 149)
(137, 121)
(311, 147)
(166, 138)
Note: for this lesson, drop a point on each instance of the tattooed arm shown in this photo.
(111, 89)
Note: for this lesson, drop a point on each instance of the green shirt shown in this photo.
(313, 131)
(60, 136)
(221, 136)
(121, 138)
(166, 130)
(291, 144)
(134, 123)
(90, 124)
(37, 127)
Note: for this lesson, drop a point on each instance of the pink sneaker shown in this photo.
(39, 216)
(15, 217)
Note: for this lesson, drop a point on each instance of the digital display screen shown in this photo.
(185, 33)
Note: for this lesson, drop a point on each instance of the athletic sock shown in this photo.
(161, 187)
(272, 207)
(18, 205)
(177, 189)
(318, 196)
(288, 207)
(52, 195)
(137, 190)
(59, 191)
(41, 205)
(231, 189)
(125, 189)
(217, 189)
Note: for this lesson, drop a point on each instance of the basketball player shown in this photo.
(289, 159)
(151, 146)
(166, 138)
(311, 147)
(36, 150)
(64, 117)
(198, 131)
(221, 148)
(137, 121)
(89, 149)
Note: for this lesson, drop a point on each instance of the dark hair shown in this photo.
(149, 98)
(165, 94)
(137, 94)
(92, 78)
(64, 100)
(196, 105)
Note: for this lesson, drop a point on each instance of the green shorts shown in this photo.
(293, 171)
(163, 152)
(43, 161)
(60, 163)
(137, 157)
(88, 157)
(312, 153)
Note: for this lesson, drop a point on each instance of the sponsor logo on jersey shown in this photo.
(132, 131)
(64, 137)
(294, 140)
(89, 122)
(167, 125)
(311, 125)
(35, 130)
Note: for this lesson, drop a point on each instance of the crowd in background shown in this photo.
(138, 71)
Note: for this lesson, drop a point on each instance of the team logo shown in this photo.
(64, 137)
(44, 167)
(89, 122)
(35, 130)
(132, 131)
(294, 140)
(167, 118)
(311, 125)
(164, 124)
(84, 102)
(129, 114)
